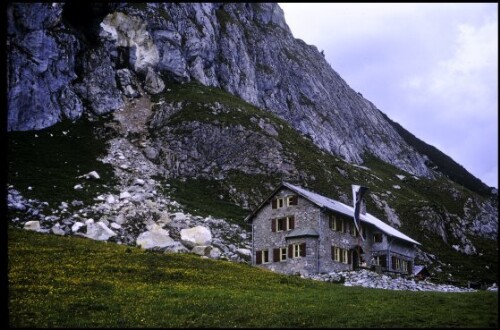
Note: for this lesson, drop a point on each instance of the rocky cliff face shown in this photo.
(246, 49)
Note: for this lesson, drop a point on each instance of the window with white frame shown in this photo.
(404, 266)
(265, 256)
(338, 224)
(279, 254)
(283, 255)
(262, 257)
(292, 200)
(283, 224)
(297, 250)
(341, 255)
(278, 202)
(332, 221)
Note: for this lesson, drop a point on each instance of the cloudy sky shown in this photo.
(433, 68)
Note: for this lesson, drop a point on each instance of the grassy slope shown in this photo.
(50, 161)
(97, 284)
(324, 177)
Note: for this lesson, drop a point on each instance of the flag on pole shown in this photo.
(357, 196)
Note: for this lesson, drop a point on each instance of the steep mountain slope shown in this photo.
(247, 49)
(212, 104)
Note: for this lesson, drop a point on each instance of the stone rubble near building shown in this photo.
(137, 214)
(370, 279)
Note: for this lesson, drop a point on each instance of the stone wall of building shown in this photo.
(305, 216)
(318, 258)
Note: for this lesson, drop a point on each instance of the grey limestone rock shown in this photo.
(153, 84)
(127, 82)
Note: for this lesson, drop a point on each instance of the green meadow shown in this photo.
(56, 281)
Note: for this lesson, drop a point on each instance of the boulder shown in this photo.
(90, 175)
(202, 250)
(125, 194)
(139, 182)
(177, 247)
(179, 216)
(76, 226)
(32, 225)
(195, 236)
(110, 199)
(99, 231)
(56, 229)
(215, 253)
(153, 83)
(127, 82)
(156, 237)
(245, 252)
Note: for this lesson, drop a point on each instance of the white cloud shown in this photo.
(430, 67)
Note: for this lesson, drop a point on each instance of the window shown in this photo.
(278, 203)
(265, 256)
(404, 266)
(283, 224)
(262, 257)
(377, 238)
(332, 221)
(380, 260)
(341, 255)
(396, 263)
(279, 254)
(353, 230)
(297, 250)
(292, 200)
(282, 254)
(337, 224)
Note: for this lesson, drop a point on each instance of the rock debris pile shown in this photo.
(369, 279)
(138, 214)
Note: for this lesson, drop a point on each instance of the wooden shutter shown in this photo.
(258, 257)
(274, 203)
(273, 225)
(290, 251)
(349, 257)
(393, 262)
(276, 255)
(303, 249)
(292, 222)
(333, 252)
(293, 200)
